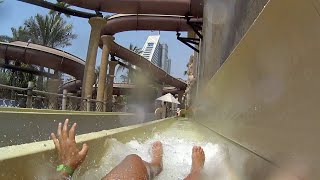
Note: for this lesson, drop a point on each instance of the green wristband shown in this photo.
(65, 168)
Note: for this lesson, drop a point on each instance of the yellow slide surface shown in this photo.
(266, 96)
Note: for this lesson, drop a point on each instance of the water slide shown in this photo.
(132, 22)
(67, 63)
(266, 95)
(120, 23)
(75, 85)
(165, 7)
(29, 53)
(59, 60)
(118, 88)
(145, 21)
(260, 109)
(109, 147)
(155, 71)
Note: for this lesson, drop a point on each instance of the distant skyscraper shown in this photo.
(164, 55)
(168, 66)
(152, 50)
(165, 61)
(157, 53)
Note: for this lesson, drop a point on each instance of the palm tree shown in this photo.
(4, 77)
(21, 79)
(50, 30)
(19, 34)
(127, 78)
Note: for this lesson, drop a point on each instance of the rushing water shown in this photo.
(176, 159)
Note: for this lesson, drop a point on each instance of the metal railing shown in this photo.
(11, 96)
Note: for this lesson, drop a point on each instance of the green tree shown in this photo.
(18, 34)
(129, 75)
(50, 30)
(21, 79)
(4, 77)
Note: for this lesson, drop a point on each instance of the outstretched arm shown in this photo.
(69, 155)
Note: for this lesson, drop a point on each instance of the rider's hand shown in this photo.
(65, 144)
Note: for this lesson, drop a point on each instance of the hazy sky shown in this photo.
(13, 13)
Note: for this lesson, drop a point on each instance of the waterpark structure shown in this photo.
(254, 92)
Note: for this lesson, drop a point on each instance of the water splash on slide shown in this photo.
(176, 160)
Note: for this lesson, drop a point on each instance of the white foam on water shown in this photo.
(176, 158)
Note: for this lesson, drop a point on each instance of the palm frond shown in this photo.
(4, 38)
(50, 30)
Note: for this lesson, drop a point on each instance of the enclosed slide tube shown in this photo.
(131, 22)
(165, 7)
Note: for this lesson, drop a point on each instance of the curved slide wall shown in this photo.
(20, 126)
(222, 157)
(266, 95)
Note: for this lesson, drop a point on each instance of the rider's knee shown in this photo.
(133, 157)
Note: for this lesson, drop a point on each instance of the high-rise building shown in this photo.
(157, 53)
(165, 61)
(164, 55)
(167, 66)
(152, 50)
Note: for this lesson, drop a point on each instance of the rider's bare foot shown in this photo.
(157, 152)
(198, 159)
